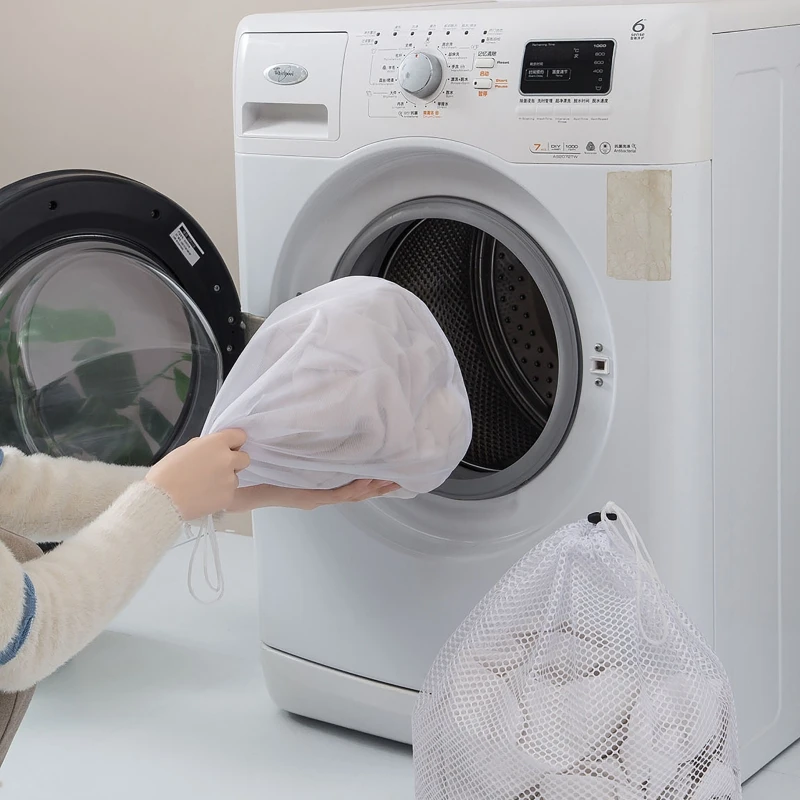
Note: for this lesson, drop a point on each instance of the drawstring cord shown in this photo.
(207, 537)
(644, 562)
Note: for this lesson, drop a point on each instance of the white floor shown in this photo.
(171, 704)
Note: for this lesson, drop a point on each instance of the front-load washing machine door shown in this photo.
(118, 319)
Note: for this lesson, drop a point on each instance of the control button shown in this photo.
(483, 83)
(420, 74)
(562, 110)
(484, 63)
(600, 110)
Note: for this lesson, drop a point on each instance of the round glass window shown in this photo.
(102, 355)
(500, 301)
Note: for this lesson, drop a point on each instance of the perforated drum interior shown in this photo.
(504, 309)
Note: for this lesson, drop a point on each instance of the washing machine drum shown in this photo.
(118, 319)
(500, 301)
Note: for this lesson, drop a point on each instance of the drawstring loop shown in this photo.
(644, 563)
(207, 537)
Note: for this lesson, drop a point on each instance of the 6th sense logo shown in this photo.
(637, 30)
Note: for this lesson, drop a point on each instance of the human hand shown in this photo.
(200, 477)
(252, 497)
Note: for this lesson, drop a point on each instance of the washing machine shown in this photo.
(599, 202)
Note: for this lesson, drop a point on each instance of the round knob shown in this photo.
(420, 74)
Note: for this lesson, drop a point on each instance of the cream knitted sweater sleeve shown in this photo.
(54, 606)
(47, 499)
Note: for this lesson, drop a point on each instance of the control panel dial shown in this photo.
(421, 74)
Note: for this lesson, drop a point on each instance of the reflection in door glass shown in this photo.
(102, 356)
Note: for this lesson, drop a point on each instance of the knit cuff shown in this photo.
(152, 507)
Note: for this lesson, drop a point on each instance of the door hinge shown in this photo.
(251, 323)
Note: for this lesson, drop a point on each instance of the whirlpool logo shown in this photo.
(286, 74)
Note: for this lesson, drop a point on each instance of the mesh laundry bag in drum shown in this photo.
(578, 678)
(354, 379)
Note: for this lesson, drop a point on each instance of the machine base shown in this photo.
(338, 698)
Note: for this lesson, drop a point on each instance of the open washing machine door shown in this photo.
(118, 319)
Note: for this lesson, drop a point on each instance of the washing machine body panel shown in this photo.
(700, 456)
(757, 438)
(627, 436)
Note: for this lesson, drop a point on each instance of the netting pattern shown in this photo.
(577, 678)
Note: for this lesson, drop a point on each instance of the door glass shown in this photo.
(102, 356)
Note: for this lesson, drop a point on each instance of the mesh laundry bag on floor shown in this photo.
(578, 678)
(354, 379)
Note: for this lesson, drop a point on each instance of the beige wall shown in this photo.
(138, 87)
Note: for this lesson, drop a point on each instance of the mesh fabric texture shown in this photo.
(578, 677)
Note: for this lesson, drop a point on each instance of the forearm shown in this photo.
(48, 499)
(82, 585)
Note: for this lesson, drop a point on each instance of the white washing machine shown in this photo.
(601, 204)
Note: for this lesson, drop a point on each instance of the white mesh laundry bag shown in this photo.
(354, 379)
(578, 678)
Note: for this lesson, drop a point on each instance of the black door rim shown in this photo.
(49, 210)
(38, 211)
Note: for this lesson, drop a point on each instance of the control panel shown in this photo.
(527, 83)
(444, 71)
(421, 71)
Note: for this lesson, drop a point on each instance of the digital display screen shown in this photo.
(567, 67)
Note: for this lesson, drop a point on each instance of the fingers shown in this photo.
(376, 488)
(381, 488)
(364, 490)
(240, 460)
(232, 438)
(262, 496)
(347, 493)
